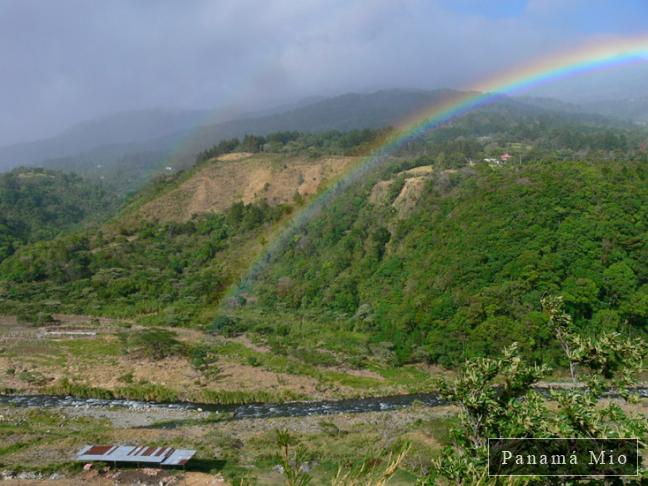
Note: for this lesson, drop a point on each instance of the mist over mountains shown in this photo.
(123, 129)
(159, 131)
(138, 144)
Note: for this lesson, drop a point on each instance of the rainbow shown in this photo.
(558, 65)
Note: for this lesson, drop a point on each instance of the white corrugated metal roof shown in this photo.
(179, 457)
(164, 456)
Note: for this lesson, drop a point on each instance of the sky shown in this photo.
(70, 60)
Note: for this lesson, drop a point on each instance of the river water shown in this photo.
(254, 410)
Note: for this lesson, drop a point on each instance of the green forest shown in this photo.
(176, 271)
(463, 273)
(38, 204)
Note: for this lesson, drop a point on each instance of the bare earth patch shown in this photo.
(245, 178)
(420, 170)
(247, 342)
(409, 195)
(33, 361)
(379, 192)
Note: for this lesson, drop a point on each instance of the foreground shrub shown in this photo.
(497, 399)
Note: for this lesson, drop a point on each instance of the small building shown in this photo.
(505, 157)
(149, 456)
(493, 162)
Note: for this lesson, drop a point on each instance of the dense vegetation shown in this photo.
(528, 137)
(462, 273)
(37, 204)
(496, 399)
(176, 271)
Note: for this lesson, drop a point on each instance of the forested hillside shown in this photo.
(462, 270)
(37, 204)
(174, 273)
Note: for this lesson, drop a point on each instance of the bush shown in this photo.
(153, 344)
(226, 326)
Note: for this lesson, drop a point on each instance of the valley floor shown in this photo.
(94, 357)
(43, 442)
(39, 444)
(88, 357)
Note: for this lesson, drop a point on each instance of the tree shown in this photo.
(619, 281)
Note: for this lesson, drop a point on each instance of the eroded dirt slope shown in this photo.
(247, 178)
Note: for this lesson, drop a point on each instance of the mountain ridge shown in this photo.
(130, 164)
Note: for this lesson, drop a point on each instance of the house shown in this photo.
(505, 157)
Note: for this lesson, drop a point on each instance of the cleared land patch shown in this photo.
(245, 178)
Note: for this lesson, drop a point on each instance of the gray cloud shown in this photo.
(69, 60)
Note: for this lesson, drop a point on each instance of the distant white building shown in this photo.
(493, 162)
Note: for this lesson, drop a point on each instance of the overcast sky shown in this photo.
(68, 60)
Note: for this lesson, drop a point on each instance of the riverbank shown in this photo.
(43, 441)
(225, 396)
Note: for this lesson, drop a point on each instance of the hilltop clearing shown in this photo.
(246, 178)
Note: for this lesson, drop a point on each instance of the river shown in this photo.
(254, 410)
